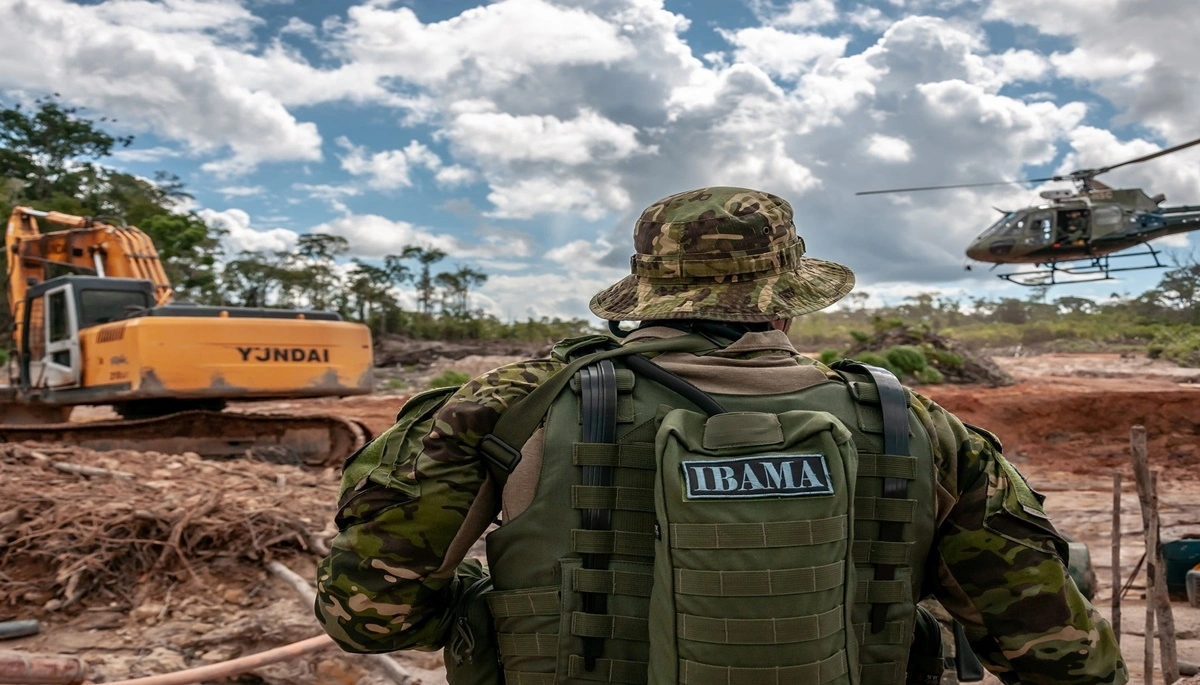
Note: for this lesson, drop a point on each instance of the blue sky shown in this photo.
(523, 136)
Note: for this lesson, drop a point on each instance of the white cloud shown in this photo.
(158, 67)
(454, 175)
(806, 13)
(391, 169)
(784, 54)
(497, 137)
(145, 155)
(372, 236)
(561, 295)
(241, 191)
(326, 191)
(496, 43)
(583, 255)
(889, 148)
(529, 197)
(386, 170)
(1139, 54)
(241, 235)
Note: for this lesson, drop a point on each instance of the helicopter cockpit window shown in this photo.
(1004, 225)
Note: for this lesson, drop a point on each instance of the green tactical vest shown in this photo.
(705, 583)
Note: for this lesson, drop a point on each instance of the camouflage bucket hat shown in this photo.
(721, 254)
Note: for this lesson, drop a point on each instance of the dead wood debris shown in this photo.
(112, 521)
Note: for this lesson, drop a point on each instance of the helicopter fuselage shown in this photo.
(1073, 226)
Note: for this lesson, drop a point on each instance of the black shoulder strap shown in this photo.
(894, 406)
(598, 409)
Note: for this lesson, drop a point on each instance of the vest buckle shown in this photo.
(499, 453)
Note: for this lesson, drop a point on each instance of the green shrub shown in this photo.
(859, 336)
(1180, 345)
(906, 358)
(449, 378)
(829, 356)
(943, 359)
(881, 324)
(929, 376)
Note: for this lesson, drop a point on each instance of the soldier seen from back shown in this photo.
(697, 503)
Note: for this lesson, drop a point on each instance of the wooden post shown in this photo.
(1158, 603)
(1116, 556)
(1151, 534)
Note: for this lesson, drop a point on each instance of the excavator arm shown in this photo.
(81, 245)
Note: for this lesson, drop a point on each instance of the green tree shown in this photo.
(426, 286)
(1180, 290)
(50, 149)
(250, 280)
(50, 155)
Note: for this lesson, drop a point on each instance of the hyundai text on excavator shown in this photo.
(109, 332)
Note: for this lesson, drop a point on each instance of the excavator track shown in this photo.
(317, 440)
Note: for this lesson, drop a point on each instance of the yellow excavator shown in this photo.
(96, 323)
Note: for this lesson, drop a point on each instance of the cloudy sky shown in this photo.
(523, 136)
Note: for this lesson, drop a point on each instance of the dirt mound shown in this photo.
(956, 363)
(1085, 432)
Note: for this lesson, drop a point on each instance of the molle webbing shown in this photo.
(754, 583)
(892, 510)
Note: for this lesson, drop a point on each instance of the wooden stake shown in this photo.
(1148, 667)
(1116, 556)
(1162, 598)
(1158, 603)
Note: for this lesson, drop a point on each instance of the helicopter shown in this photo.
(1076, 236)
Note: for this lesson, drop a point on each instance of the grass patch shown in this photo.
(448, 378)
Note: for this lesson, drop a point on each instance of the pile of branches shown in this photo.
(399, 351)
(77, 524)
(956, 363)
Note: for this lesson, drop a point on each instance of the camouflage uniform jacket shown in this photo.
(397, 572)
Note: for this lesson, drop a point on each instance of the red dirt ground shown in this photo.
(1065, 424)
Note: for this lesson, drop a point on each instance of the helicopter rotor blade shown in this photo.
(1146, 158)
(963, 185)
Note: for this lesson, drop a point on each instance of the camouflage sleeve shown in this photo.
(1000, 568)
(396, 575)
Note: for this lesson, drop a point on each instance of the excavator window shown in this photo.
(57, 305)
(60, 329)
(102, 306)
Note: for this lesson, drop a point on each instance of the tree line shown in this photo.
(50, 159)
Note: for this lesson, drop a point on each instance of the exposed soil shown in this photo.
(143, 607)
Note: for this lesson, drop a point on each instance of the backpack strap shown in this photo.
(501, 449)
(598, 404)
(894, 405)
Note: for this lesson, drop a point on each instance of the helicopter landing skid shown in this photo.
(1089, 268)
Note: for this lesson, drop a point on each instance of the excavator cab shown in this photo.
(57, 310)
